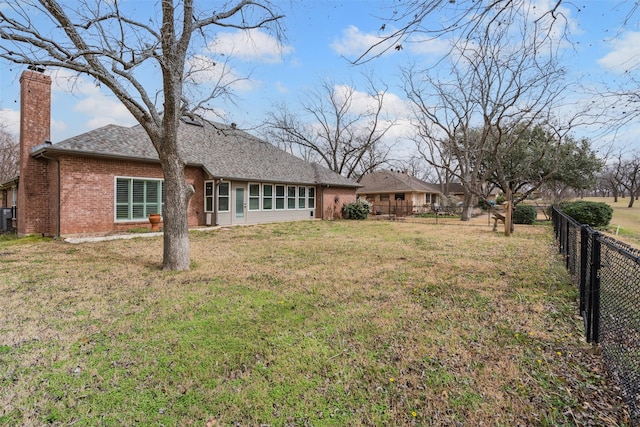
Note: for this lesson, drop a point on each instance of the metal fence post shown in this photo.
(584, 246)
(567, 245)
(593, 331)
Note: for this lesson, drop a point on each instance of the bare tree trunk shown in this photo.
(508, 212)
(467, 207)
(175, 215)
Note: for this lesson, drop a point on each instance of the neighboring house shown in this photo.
(457, 189)
(452, 189)
(389, 191)
(110, 179)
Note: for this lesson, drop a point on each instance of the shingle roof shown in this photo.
(224, 152)
(394, 182)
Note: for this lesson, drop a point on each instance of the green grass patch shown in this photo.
(308, 323)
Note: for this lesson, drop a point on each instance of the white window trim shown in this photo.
(228, 196)
(14, 196)
(115, 197)
(295, 198)
(304, 198)
(213, 196)
(309, 198)
(273, 196)
(259, 197)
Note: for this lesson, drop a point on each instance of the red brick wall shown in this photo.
(87, 198)
(331, 201)
(35, 124)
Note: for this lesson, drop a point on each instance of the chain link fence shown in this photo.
(607, 273)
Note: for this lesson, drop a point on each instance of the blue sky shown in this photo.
(319, 35)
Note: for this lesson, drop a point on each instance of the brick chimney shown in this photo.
(35, 128)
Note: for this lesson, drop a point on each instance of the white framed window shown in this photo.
(136, 198)
(291, 197)
(267, 197)
(311, 201)
(208, 196)
(302, 197)
(14, 197)
(223, 197)
(254, 197)
(279, 197)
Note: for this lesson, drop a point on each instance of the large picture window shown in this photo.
(223, 197)
(137, 198)
(262, 197)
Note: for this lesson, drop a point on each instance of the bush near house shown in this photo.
(595, 214)
(524, 214)
(356, 210)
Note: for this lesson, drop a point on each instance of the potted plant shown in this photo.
(155, 219)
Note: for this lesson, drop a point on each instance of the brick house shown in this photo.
(109, 179)
(398, 193)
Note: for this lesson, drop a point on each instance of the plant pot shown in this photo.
(155, 219)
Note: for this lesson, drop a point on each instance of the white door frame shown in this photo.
(239, 207)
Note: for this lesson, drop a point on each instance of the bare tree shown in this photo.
(627, 176)
(9, 156)
(610, 179)
(419, 21)
(499, 84)
(105, 40)
(336, 126)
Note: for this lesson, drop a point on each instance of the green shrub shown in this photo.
(595, 214)
(524, 214)
(357, 210)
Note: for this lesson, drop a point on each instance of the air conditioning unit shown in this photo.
(5, 220)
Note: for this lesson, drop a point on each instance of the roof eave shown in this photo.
(49, 151)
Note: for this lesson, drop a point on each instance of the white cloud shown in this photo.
(625, 55)
(539, 13)
(57, 128)
(281, 88)
(69, 82)
(362, 102)
(422, 45)
(206, 72)
(250, 45)
(10, 119)
(355, 43)
(103, 110)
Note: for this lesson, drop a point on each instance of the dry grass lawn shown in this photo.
(625, 223)
(308, 323)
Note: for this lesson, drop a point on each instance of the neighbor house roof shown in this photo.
(453, 188)
(223, 151)
(394, 182)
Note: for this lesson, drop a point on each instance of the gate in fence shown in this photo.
(607, 274)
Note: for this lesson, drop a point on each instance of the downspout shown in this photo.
(215, 202)
(322, 202)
